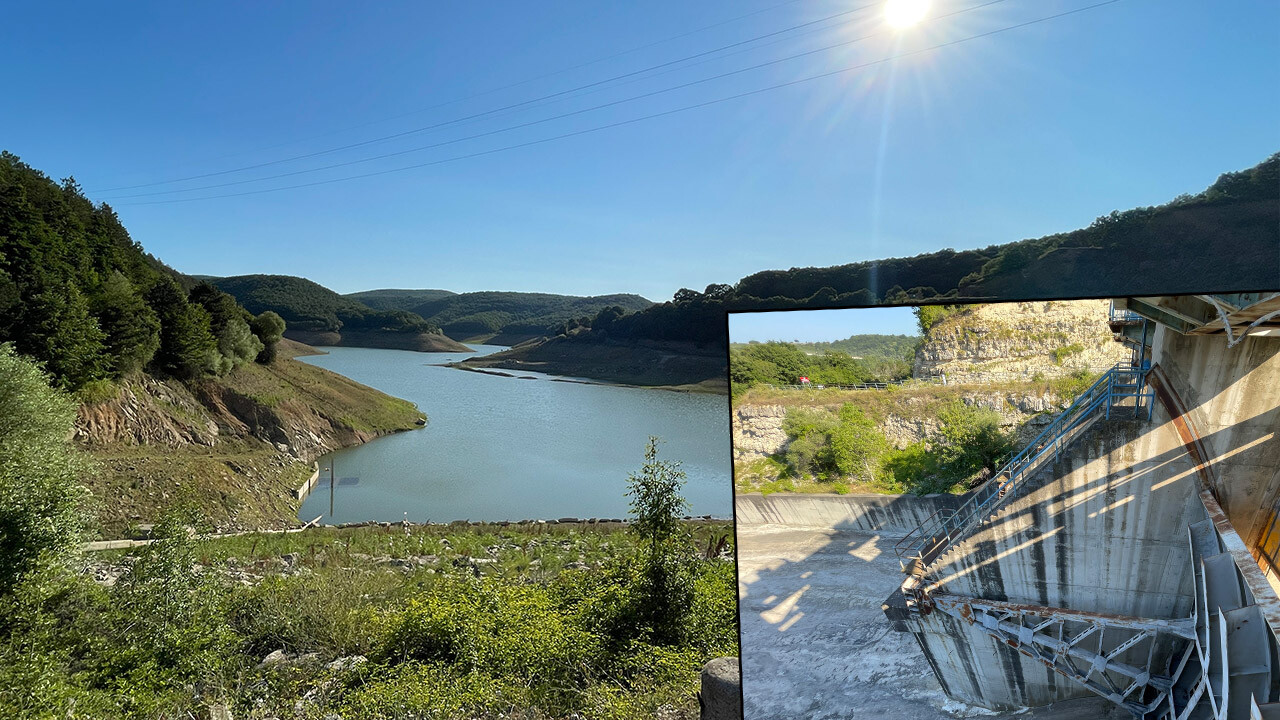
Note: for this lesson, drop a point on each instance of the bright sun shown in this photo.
(905, 13)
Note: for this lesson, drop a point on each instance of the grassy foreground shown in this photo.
(526, 621)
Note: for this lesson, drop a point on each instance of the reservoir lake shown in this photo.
(504, 448)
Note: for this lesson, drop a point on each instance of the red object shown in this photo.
(804, 379)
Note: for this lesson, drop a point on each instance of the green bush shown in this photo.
(857, 445)
(493, 628)
(41, 499)
(334, 614)
(929, 315)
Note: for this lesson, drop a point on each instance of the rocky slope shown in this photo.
(1019, 342)
(903, 417)
(235, 447)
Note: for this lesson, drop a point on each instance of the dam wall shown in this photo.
(890, 515)
(1231, 398)
(1101, 530)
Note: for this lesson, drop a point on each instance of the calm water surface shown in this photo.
(499, 448)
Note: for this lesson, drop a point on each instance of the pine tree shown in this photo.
(132, 328)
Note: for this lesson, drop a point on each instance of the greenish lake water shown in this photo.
(500, 448)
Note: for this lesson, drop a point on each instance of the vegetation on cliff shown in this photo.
(235, 448)
(842, 449)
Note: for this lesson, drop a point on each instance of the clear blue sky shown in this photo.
(821, 325)
(1016, 135)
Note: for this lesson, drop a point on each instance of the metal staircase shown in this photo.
(1121, 390)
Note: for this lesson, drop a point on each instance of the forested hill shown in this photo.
(78, 294)
(319, 316)
(397, 299)
(1226, 238)
(514, 315)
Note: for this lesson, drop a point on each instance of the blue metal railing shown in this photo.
(922, 545)
(1122, 315)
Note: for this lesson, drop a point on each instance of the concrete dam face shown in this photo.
(1130, 552)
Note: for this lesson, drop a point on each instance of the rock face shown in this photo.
(167, 413)
(1020, 341)
(757, 431)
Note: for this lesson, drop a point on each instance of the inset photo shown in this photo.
(1049, 509)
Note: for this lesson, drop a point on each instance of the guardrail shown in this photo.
(924, 544)
(1123, 315)
(932, 379)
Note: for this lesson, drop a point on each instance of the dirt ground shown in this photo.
(815, 643)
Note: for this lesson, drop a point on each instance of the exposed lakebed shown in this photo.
(512, 448)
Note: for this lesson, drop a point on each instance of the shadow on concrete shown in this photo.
(815, 642)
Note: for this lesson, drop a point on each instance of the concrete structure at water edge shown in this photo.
(1131, 552)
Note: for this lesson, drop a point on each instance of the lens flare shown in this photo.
(905, 13)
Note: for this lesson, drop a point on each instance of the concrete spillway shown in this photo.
(1139, 565)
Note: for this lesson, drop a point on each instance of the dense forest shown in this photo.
(78, 294)
(472, 314)
(309, 306)
(398, 299)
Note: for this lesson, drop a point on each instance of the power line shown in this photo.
(473, 116)
(531, 123)
(630, 121)
(508, 86)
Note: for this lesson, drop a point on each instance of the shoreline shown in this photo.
(698, 388)
(616, 523)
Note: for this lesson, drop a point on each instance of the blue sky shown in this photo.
(1019, 134)
(821, 325)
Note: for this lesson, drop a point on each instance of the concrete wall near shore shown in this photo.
(892, 515)
(302, 492)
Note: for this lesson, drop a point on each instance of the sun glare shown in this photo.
(905, 13)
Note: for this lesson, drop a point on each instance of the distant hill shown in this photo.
(894, 347)
(317, 315)
(1224, 239)
(395, 299)
(503, 317)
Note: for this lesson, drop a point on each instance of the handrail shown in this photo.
(1123, 315)
(934, 379)
(939, 530)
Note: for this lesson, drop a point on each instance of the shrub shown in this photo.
(857, 444)
(41, 499)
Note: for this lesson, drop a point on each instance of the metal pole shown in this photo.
(333, 480)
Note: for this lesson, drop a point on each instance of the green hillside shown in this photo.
(895, 347)
(397, 299)
(473, 314)
(78, 294)
(1226, 238)
(306, 305)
